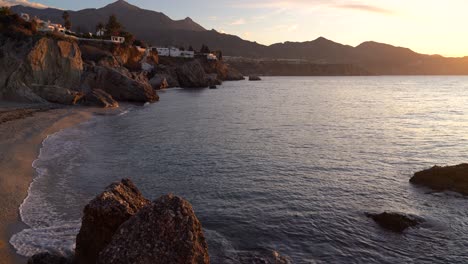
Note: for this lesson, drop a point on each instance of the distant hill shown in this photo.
(158, 29)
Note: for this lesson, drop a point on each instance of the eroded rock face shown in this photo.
(103, 216)
(118, 85)
(48, 258)
(45, 63)
(395, 222)
(449, 178)
(192, 75)
(99, 98)
(166, 231)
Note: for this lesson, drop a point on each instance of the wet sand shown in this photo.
(22, 130)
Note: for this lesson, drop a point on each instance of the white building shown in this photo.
(100, 32)
(25, 16)
(211, 56)
(117, 39)
(173, 52)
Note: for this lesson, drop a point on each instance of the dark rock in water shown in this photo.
(192, 75)
(159, 82)
(395, 221)
(213, 87)
(48, 258)
(103, 216)
(254, 78)
(167, 231)
(100, 98)
(450, 178)
(233, 75)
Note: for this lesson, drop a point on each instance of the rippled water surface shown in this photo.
(286, 164)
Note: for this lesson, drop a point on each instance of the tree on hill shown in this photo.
(113, 27)
(204, 49)
(190, 48)
(66, 19)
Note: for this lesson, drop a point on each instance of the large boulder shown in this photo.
(48, 258)
(103, 216)
(57, 94)
(120, 86)
(98, 97)
(44, 63)
(450, 178)
(395, 222)
(233, 74)
(167, 231)
(254, 78)
(192, 75)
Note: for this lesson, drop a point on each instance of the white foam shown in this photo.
(48, 229)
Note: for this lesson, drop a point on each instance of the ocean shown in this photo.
(286, 164)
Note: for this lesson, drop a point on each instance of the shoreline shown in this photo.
(23, 128)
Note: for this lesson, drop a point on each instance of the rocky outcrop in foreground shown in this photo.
(449, 178)
(122, 226)
(395, 222)
(103, 216)
(167, 231)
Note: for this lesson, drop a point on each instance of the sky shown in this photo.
(425, 26)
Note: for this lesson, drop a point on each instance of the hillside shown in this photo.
(158, 29)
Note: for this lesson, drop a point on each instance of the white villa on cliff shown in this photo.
(173, 52)
(44, 26)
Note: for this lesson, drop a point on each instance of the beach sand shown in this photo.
(22, 130)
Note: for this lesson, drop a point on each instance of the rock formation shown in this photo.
(103, 216)
(118, 85)
(167, 231)
(395, 222)
(450, 178)
(47, 63)
(98, 97)
(192, 75)
(254, 78)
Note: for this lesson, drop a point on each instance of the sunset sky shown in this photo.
(426, 26)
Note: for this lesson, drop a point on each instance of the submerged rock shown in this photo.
(254, 78)
(395, 222)
(167, 231)
(103, 216)
(48, 258)
(449, 178)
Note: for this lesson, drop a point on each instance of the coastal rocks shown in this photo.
(57, 94)
(233, 74)
(99, 98)
(53, 62)
(103, 216)
(166, 231)
(254, 78)
(449, 178)
(192, 75)
(45, 63)
(48, 258)
(395, 222)
(118, 85)
(159, 83)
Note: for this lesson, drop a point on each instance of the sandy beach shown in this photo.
(22, 130)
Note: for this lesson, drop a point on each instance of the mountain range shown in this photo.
(158, 29)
